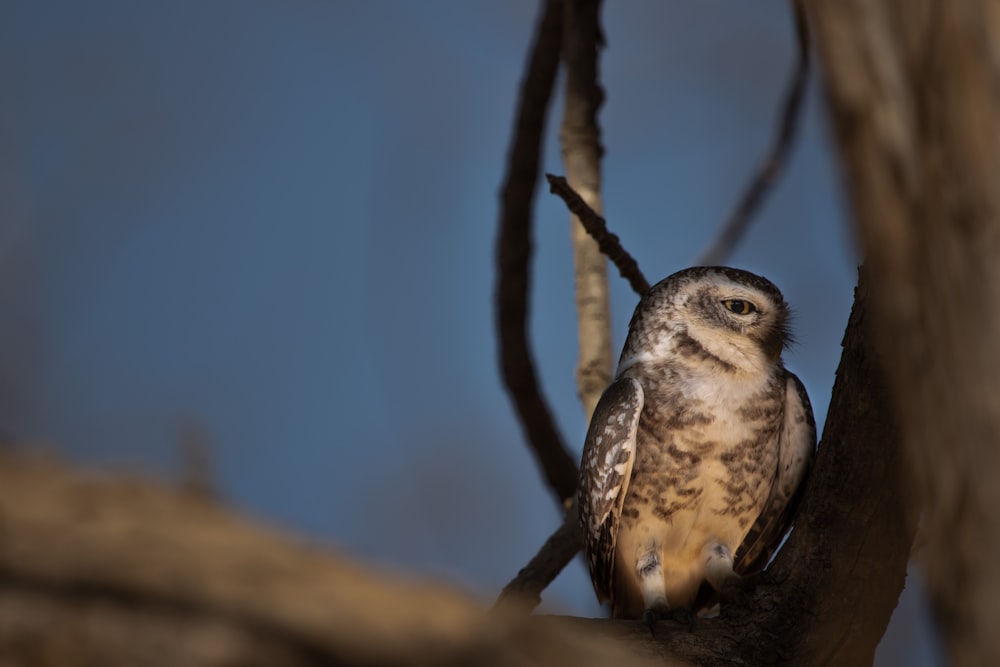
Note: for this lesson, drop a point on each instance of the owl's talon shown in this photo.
(659, 609)
(649, 618)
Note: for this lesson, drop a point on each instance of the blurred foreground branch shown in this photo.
(132, 573)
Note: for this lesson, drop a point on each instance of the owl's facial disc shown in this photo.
(737, 322)
(764, 323)
(735, 317)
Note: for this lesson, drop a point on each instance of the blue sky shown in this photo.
(276, 221)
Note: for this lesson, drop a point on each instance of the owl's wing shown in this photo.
(608, 453)
(796, 447)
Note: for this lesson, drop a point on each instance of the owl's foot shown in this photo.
(654, 613)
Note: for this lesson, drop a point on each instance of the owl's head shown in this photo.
(729, 317)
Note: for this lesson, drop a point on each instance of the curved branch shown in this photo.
(514, 256)
(774, 161)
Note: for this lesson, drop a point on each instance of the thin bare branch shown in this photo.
(525, 589)
(597, 227)
(580, 137)
(774, 161)
(514, 255)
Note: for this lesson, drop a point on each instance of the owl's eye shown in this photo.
(739, 306)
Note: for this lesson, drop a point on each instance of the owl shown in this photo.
(696, 454)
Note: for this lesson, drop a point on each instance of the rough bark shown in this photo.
(913, 92)
(581, 152)
(845, 562)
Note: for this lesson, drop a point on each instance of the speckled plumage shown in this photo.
(697, 452)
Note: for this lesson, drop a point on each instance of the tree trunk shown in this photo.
(914, 94)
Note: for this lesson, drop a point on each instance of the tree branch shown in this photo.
(597, 227)
(768, 171)
(514, 256)
(581, 151)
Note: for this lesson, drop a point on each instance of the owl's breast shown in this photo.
(713, 465)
